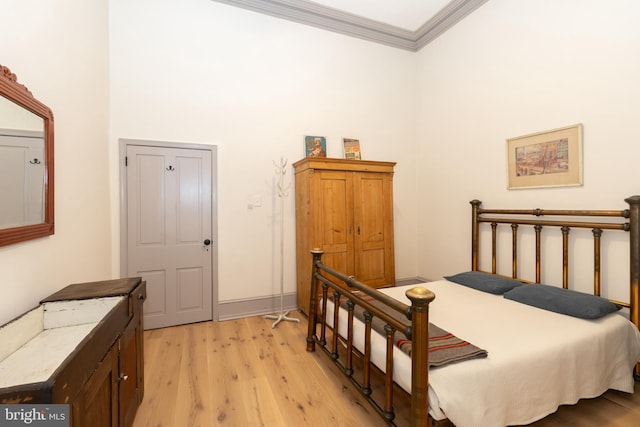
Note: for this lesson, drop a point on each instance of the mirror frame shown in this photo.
(20, 95)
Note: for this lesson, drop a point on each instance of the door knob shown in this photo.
(207, 242)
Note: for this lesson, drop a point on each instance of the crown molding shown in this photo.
(450, 15)
(310, 13)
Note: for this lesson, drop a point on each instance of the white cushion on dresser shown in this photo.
(35, 344)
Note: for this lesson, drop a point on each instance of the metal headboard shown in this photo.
(627, 220)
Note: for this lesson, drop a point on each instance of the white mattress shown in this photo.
(538, 360)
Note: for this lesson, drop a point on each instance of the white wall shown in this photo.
(511, 69)
(58, 49)
(198, 71)
(203, 72)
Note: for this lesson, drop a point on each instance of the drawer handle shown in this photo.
(123, 377)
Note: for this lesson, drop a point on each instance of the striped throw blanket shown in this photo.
(444, 347)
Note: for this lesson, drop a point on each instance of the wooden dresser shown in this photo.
(345, 208)
(102, 377)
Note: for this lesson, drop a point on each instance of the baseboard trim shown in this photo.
(411, 281)
(236, 309)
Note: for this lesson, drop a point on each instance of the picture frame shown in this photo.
(551, 158)
(315, 146)
(352, 149)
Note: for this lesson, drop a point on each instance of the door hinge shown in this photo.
(126, 161)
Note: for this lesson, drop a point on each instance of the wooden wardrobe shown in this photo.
(345, 208)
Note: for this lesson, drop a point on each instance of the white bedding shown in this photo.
(537, 359)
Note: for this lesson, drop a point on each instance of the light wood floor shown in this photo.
(243, 373)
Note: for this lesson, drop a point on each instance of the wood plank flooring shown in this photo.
(243, 373)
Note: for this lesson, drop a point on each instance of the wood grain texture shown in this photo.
(243, 373)
(345, 208)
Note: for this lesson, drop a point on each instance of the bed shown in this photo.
(530, 347)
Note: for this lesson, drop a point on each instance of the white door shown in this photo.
(22, 178)
(169, 232)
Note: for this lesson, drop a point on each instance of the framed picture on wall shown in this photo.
(315, 146)
(551, 158)
(352, 149)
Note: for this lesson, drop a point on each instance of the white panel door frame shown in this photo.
(214, 206)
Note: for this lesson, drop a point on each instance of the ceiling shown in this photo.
(405, 24)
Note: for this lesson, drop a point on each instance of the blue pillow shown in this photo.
(563, 301)
(484, 282)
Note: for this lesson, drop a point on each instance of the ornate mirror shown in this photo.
(26, 163)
